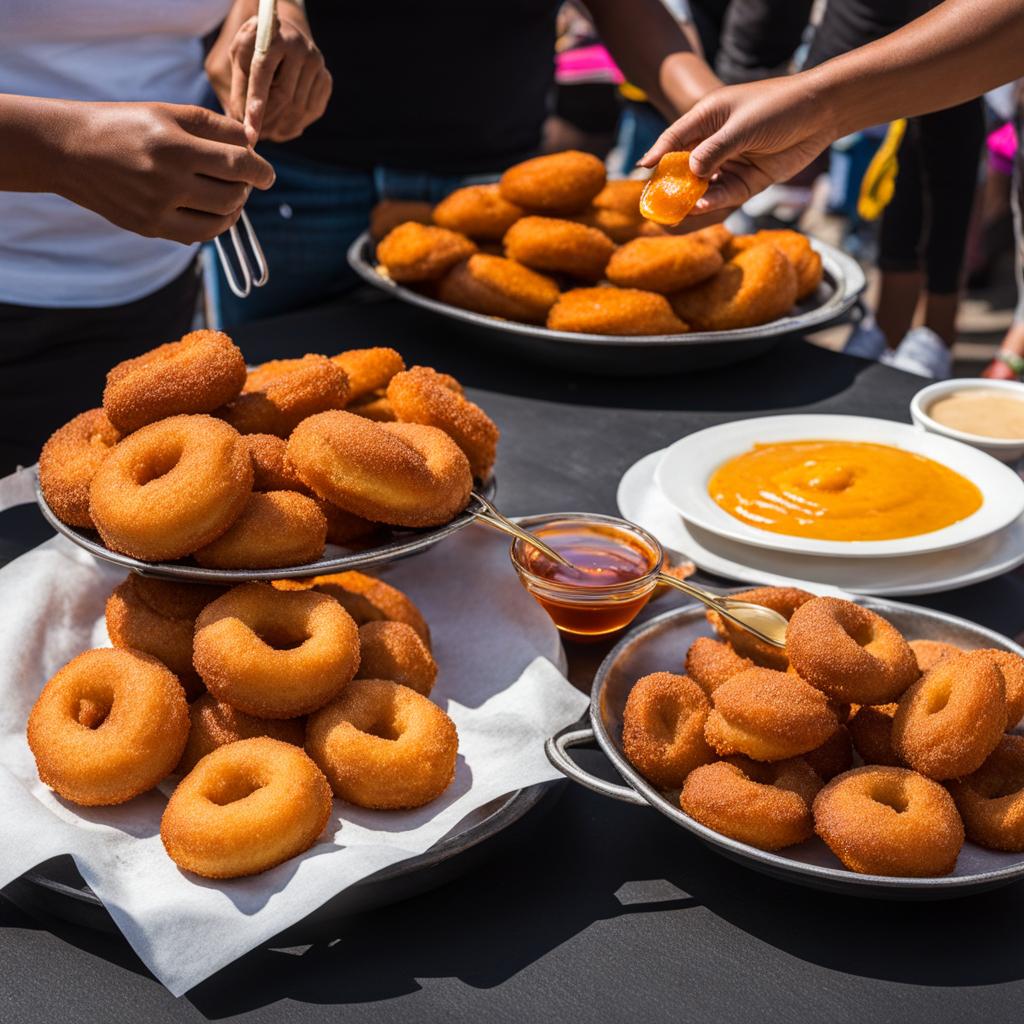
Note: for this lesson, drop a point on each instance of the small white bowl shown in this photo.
(1009, 450)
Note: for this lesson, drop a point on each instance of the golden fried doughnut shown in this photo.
(663, 728)
(403, 474)
(280, 394)
(275, 529)
(246, 807)
(480, 212)
(158, 617)
(889, 821)
(214, 725)
(420, 395)
(368, 369)
(625, 311)
(389, 213)
(1012, 668)
(375, 406)
(171, 487)
(716, 235)
(755, 287)
(108, 726)
(368, 599)
(663, 264)
(929, 653)
(991, 800)
(383, 746)
(345, 528)
(69, 461)
(951, 719)
(275, 653)
(271, 470)
(558, 183)
(559, 246)
(672, 190)
(833, 757)
(850, 653)
(197, 374)
(784, 600)
(796, 248)
(870, 728)
(395, 651)
(768, 715)
(764, 805)
(496, 286)
(416, 252)
(618, 226)
(709, 663)
(621, 195)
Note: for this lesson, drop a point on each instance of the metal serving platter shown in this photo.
(660, 644)
(56, 889)
(400, 544)
(641, 355)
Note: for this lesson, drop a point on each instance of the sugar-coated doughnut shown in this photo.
(1012, 668)
(709, 663)
(784, 600)
(270, 466)
(374, 406)
(245, 807)
(368, 369)
(111, 724)
(870, 728)
(833, 757)
(383, 746)
(393, 650)
(991, 799)
(559, 246)
(930, 652)
(415, 253)
(496, 286)
(663, 264)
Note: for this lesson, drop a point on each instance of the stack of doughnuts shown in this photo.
(264, 699)
(890, 751)
(194, 456)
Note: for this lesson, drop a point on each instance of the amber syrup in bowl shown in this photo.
(613, 573)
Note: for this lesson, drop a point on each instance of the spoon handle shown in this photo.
(490, 515)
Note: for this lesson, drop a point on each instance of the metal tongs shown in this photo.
(252, 270)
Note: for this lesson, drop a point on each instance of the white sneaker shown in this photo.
(921, 352)
(866, 340)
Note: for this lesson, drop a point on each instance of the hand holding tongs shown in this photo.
(247, 277)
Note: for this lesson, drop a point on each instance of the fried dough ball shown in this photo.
(784, 600)
(663, 728)
(929, 653)
(796, 248)
(716, 235)
(889, 821)
(111, 724)
(395, 651)
(558, 183)
(625, 311)
(416, 252)
(389, 213)
(849, 652)
(420, 396)
(368, 369)
(274, 653)
(199, 373)
(275, 529)
(245, 808)
(672, 190)
(764, 805)
(755, 287)
(618, 226)
(991, 799)
(870, 729)
(496, 286)
(215, 725)
(709, 663)
(621, 195)
(768, 715)
(1012, 668)
(383, 746)
(833, 757)
(559, 246)
(480, 212)
(403, 474)
(952, 718)
(171, 487)
(69, 461)
(663, 264)
(280, 394)
(374, 406)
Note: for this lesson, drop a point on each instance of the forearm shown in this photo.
(653, 53)
(957, 51)
(32, 131)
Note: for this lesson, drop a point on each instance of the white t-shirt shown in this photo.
(52, 252)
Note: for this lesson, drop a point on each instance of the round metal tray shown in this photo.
(641, 355)
(401, 544)
(659, 644)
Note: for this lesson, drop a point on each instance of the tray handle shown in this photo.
(556, 748)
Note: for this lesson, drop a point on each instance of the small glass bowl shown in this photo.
(589, 613)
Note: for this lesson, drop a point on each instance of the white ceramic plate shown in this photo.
(641, 502)
(684, 471)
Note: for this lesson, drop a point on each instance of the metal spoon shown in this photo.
(765, 624)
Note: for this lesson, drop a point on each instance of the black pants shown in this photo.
(54, 362)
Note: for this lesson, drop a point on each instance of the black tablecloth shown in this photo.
(603, 911)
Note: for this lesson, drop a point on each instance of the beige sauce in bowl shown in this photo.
(980, 411)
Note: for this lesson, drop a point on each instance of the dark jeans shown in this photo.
(54, 362)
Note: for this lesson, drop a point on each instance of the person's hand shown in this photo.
(746, 137)
(158, 169)
(287, 89)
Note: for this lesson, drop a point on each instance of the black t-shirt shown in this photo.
(456, 86)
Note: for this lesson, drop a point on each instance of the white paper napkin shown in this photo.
(497, 652)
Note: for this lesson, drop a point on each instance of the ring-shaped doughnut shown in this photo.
(870, 729)
(1012, 668)
(929, 653)
(784, 600)
(393, 650)
(991, 800)
(709, 663)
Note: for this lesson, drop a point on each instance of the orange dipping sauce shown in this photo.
(672, 190)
